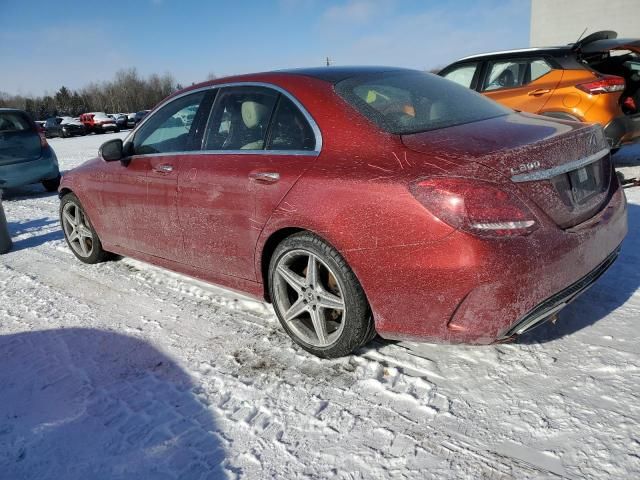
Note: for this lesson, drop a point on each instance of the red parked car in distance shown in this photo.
(358, 201)
(98, 122)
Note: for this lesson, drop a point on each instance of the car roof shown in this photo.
(334, 74)
(520, 51)
(327, 74)
(596, 42)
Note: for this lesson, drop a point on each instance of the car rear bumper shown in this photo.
(74, 129)
(34, 171)
(466, 289)
(623, 129)
(552, 305)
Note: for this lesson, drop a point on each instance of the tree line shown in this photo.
(127, 92)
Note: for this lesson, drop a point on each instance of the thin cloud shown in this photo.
(356, 11)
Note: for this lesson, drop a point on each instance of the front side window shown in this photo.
(240, 119)
(514, 73)
(290, 129)
(170, 127)
(411, 102)
(462, 75)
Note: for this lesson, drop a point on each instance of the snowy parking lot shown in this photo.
(124, 370)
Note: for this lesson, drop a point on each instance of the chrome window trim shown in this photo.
(314, 126)
(299, 153)
(560, 169)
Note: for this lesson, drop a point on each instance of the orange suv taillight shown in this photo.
(604, 84)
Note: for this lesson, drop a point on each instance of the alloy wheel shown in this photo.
(77, 230)
(310, 298)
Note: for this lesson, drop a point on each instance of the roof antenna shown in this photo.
(583, 32)
(328, 62)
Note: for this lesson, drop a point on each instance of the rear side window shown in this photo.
(538, 68)
(462, 75)
(290, 129)
(514, 73)
(14, 122)
(240, 119)
(411, 102)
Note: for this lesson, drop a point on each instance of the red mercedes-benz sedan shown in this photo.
(358, 201)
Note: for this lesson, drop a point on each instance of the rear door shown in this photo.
(257, 144)
(524, 84)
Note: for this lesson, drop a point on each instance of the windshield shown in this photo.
(411, 102)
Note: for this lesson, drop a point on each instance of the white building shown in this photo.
(558, 22)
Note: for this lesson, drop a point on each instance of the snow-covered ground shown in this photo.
(123, 370)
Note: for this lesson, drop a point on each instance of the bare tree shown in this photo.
(127, 92)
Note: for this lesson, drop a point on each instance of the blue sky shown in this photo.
(46, 44)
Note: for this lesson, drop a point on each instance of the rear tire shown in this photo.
(81, 238)
(317, 297)
(52, 184)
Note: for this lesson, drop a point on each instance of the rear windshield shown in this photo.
(411, 102)
(14, 122)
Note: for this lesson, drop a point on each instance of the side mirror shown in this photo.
(111, 151)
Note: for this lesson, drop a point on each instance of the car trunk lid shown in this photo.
(563, 167)
(619, 57)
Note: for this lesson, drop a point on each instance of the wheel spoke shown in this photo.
(312, 271)
(73, 236)
(83, 246)
(319, 325)
(294, 280)
(70, 220)
(295, 310)
(77, 218)
(329, 300)
(84, 232)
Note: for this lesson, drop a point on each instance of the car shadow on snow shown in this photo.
(83, 403)
(40, 231)
(611, 291)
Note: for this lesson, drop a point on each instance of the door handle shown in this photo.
(164, 168)
(265, 177)
(539, 91)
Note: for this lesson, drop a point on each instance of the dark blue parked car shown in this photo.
(25, 156)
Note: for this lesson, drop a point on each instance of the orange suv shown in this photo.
(596, 80)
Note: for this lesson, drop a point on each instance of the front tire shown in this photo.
(317, 297)
(79, 233)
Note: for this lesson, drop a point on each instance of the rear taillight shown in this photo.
(475, 206)
(604, 84)
(43, 138)
(629, 105)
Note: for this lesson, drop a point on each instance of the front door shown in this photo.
(149, 186)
